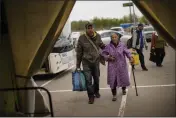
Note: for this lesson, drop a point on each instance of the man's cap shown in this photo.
(88, 24)
(140, 24)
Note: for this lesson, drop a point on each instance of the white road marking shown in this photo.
(122, 105)
(151, 86)
(47, 82)
(124, 98)
(55, 77)
(148, 86)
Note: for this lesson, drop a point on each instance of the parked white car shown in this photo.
(118, 29)
(106, 36)
(148, 31)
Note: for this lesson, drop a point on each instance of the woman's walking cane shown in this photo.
(134, 80)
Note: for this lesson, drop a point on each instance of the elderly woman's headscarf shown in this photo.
(115, 34)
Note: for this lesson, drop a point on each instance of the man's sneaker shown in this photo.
(144, 69)
(159, 65)
(97, 95)
(114, 98)
(91, 100)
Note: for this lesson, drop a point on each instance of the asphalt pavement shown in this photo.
(156, 89)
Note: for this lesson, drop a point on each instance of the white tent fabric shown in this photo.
(32, 106)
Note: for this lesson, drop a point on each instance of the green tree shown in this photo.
(143, 20)
(105, 23)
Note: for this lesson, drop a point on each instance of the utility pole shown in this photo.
(134, 15)
(129, 5)
(130, 14)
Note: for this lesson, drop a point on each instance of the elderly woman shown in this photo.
(115, 54)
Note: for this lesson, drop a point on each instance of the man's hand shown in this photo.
(133, 49)
(111, 58)
(78, 68)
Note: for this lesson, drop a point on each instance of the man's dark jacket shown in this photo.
(86, 52)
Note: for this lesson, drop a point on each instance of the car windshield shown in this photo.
(149, 29)
(75, 35)
(105, 34)
(63, 44)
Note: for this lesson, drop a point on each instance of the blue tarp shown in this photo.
(126, 25)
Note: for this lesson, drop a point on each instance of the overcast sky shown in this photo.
(86, 10)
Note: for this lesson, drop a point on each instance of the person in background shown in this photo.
(139, 41)
(158, 45)
(115, 53)
(87, 54)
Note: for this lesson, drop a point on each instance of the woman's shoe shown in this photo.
(124, 91)
(114, 98)
(144, 69)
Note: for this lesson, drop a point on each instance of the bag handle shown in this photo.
(78, 70)
(92, 43)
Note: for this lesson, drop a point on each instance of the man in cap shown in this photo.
(90, 58)
(139, 41)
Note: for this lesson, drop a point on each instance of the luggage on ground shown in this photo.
(78, 81)
(152, 55)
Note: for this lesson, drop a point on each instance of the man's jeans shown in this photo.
(92, 70)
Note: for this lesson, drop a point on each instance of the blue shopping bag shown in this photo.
(78, 81)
